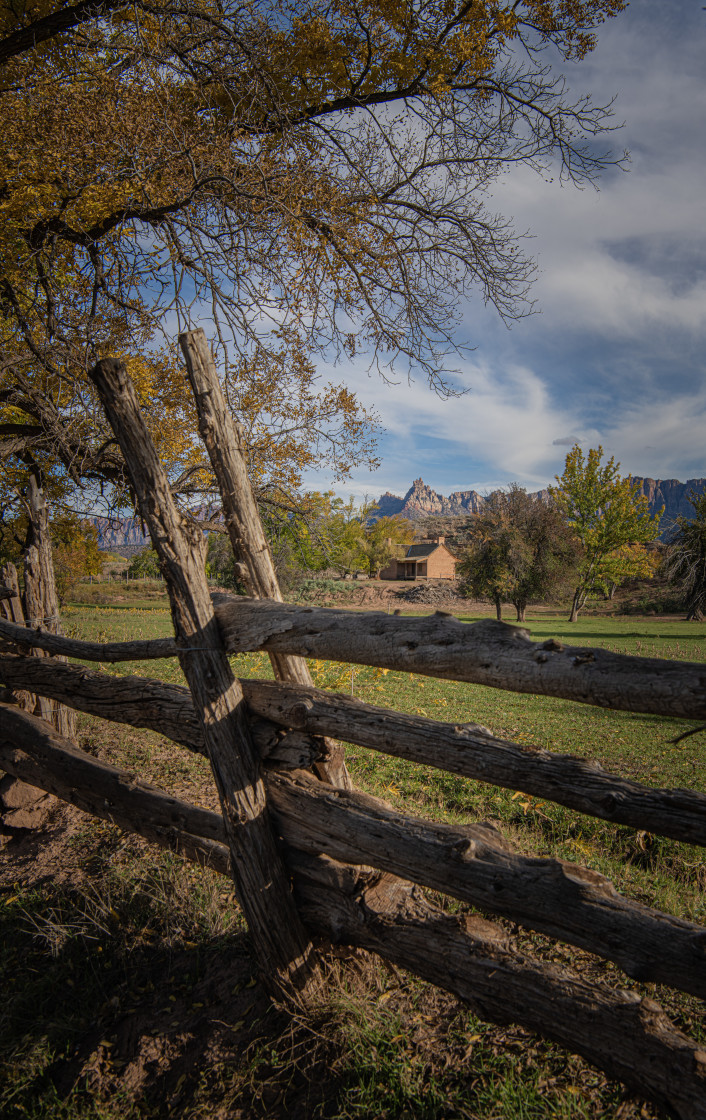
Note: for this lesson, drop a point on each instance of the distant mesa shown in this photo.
(122, 535)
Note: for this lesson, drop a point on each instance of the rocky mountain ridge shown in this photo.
(122, 535)
(126, 536)
(421, 501)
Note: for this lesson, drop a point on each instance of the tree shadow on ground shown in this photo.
(124, 998)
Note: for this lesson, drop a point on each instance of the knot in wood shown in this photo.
(651, 1006)
(583, 658)
(297, 714)
(553, 645)
(465, 849)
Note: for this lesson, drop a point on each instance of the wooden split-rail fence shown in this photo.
(312, 857)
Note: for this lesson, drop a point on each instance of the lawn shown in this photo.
(122, 918)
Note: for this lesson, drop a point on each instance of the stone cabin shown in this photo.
(429, 559)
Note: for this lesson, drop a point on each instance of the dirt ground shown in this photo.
(120, 1000)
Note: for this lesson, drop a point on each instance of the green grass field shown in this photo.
(124, 918)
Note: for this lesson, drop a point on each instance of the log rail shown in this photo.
(490, 653)
(285, 709)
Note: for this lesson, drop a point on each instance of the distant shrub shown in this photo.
(664, 603)
(314, 590)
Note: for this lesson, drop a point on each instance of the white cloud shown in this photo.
(662, 439)
(506, 421)
(617, 355)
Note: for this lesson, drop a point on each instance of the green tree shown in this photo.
(521, 551)
(144, 565)
(383, 540)
(630, 561)
(686, 559)
(485, 570)
(328, 532)
(75, 552)
(606, 512)
(337, 534)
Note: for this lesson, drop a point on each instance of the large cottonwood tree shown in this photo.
(309, 179)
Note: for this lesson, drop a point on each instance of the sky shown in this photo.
(617, 353)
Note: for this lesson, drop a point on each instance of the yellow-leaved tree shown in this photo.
(310, 181)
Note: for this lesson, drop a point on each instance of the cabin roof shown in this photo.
(417, 551)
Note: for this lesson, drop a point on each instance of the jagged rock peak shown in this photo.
(421, 501)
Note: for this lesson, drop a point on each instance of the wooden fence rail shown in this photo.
(308, 854)
(464, 749)
(474, 864)
(629, 1037)
(491, 653)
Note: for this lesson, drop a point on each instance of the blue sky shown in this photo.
(617, 353)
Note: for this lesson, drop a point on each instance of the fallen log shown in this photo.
(463, 749)
(476, 865)
(489, 653)
(629, 1038)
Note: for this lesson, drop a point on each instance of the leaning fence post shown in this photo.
(224, 443)
(285, 954)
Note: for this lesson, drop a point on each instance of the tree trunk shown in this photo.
(575, 605)
(41, 599)
(287, 959)
(224, 442)
(521, 609)
(11, 609)
(498, 609)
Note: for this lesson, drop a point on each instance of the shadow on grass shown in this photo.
(128, 991)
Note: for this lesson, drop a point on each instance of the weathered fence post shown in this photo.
(23, 805)
(285, 954)
(11, 609)
(41, 599)
(224, 443)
